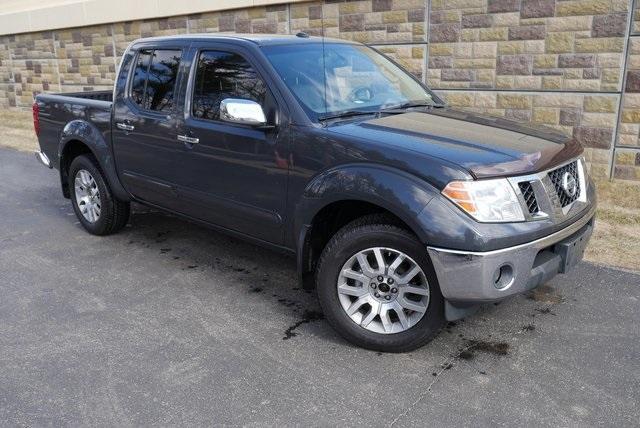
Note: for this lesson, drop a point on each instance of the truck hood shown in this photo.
(483, 145)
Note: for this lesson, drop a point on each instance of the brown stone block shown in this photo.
(527, 32)
(441, 33)
(609, 25)
(500, 6)
(514, 64)
(593, 137)
(537, 8)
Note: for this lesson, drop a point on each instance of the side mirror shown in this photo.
(245, 112)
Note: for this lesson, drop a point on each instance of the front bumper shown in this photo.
(468, 278)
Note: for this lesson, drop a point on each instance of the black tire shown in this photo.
(114, 213)
(367, 232)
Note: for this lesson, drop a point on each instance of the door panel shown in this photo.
(236, 175)
(146, 127)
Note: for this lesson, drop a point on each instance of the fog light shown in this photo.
(503, 277)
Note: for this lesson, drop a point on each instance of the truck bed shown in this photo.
(90, 95)
(58, 110)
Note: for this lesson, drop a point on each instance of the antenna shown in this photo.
(324, 64)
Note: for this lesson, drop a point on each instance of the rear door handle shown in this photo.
(187, 139)
(125, 127)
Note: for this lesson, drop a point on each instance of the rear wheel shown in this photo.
(99, 212)
(377, 286)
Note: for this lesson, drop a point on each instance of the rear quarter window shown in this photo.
(154, 79)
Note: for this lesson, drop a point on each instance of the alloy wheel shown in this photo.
(383, 290)
(87, 196)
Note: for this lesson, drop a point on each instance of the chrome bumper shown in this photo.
(470, 277)
(43, 158)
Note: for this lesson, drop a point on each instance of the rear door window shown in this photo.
(221, 75)
(154, 79)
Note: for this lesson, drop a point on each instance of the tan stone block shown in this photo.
(418, 30)
(559, 42)
(355, 7)
(463, 50)
(469, 35)
(609, 44)
(437, 4)
(517, 101)
(534, 46)
(527, 82)
(489, 34)
(632, 101)
(510, 48)
(598, 120)
(557, 100)
(582, 7)
(299, 11)
(631, 116)
(545, 61)
(331, 10)
(573, 73)
(511, 19)
(619, 5)
(485, 49)
(373, 18)
(441, 49)
(545, 115)
(493, 112)
(485, 99)
(504, 82)
(629, 128)
(627, 140)
(633, 63)
(582, 85)
(600, 103)
(569, 23)
(407, 4)
(464, 4)
(610, 60)
(485, 75)
(625, 157)
(609, 87)
(474, 63)
(611, 75)
(551, 82)
(394, 16)
(460, 99)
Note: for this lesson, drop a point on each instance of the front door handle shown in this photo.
(125, 127)
(187, 139)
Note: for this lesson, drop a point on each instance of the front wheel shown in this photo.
(377, 287)
(99, 212)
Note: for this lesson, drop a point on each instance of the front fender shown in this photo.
(400, 193)
(90, 135)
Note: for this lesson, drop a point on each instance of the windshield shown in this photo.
(357, 78)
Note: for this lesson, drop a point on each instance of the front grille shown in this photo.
(526, 188)
(557, 177)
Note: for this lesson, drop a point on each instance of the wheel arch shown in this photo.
(336, 197)
(81, 137)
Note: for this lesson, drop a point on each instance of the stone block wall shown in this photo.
(573, 65)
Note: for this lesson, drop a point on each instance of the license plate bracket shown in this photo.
(572, 249)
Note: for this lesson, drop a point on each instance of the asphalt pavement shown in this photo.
(170, 323)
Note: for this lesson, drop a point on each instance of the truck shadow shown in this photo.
(259, 271)
(251, 268)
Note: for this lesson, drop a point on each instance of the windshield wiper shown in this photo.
(347, 113)
(407, 105)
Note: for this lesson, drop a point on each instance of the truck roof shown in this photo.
(259, 39)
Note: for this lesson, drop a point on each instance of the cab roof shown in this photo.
(258, 39)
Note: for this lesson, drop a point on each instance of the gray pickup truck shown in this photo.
(401, 212)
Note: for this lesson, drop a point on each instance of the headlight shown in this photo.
(486, 200)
